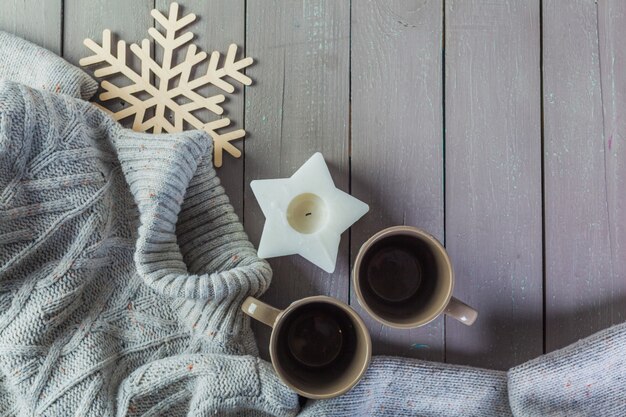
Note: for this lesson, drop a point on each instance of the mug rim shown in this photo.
(351, 312)
(400, 230)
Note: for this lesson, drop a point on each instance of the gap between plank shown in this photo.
(543, 185)
(349, 145)
(443, 145)
(243, 117)
(62, 37)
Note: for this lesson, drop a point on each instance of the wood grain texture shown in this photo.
(612, 33)
(218, 24)
(397, 143)
(299, 105)
(34, 20)
(127, 20)
(493, 179)
(585, 215)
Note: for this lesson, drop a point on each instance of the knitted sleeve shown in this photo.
(584, 379)
(401, 387)
(32, 65)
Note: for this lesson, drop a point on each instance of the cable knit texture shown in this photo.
(123, 268)
(123, 265)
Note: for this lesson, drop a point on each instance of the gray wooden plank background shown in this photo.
(612, 32)
(496, 126)
(397, 141)
(584, 203)
(36, 21)
(130, 23)
(493, 178)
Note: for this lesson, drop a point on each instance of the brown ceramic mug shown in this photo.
(319, 346)
(403, 278)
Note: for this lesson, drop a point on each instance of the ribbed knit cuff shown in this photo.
(27, 63)
(191, 245)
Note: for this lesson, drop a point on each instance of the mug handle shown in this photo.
(461, 311)
(260, 311)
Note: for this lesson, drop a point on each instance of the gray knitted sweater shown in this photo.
(123, 268)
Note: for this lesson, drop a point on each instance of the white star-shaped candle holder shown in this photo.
(306, 214)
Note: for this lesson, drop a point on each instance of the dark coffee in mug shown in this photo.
(403, 278)
(397, 274)
(316, 342)
(319, 346)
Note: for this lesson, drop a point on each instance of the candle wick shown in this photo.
(308, 214)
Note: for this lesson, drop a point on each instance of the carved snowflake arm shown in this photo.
(230, 69)
(191, 59)
(170, 42)
(147, 63)
(135, 107)
(183, 69)
(116, 64)
(170, 23)
(221, 141)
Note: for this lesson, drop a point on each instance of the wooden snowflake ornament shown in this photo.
(176, 91)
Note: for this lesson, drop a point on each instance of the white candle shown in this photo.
(306, 214)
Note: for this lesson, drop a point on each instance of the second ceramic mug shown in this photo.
(319, 346)
(403, 278)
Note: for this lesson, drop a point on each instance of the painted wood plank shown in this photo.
(585, 215)
(493, 179)
(612, 32)
(299, 105)
(34, 20)
(218, 24)
(127, 20)
(397, 143)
